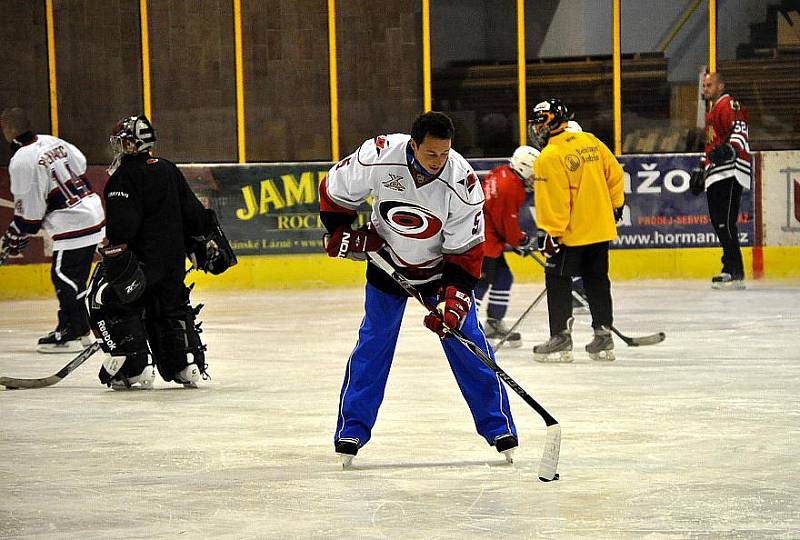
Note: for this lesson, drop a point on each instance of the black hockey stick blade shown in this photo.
(12, 383)
(580, 295)
(521, 318)
(549, 463)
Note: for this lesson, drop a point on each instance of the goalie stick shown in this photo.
(521, 318)
(13, 383)
(548, 465)
(580, 295)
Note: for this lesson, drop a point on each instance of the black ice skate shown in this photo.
(347, 450)
(602, 346)
(63, 340)
(557, 349)
(724, 280)
(505, 444)
(497, 330)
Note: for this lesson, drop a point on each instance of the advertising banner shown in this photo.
(780, 178)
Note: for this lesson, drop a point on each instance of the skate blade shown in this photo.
(561, 357)
(509, 455)
(347, 460)
(603, 356)
(729, 286)
(60, 349)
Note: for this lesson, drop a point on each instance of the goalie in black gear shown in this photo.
(138, 303)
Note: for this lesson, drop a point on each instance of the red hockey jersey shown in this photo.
(726, 122)
(504, 194)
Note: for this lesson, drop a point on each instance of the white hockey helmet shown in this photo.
(573, 126)
(522, 163)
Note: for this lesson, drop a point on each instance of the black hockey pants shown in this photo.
(591, 263)
(69, 272)
(724, 197)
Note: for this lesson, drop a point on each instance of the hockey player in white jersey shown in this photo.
(51, 192)
(427, 222)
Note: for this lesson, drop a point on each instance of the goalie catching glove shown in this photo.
(346, 243)
(546, 244)
(453, 307)
(14, 242)
(211, 253)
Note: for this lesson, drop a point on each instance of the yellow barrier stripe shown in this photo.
(334, 81)
(145, 35)
(522, 79)
(51, 67)
(427, 99)
(240, 118)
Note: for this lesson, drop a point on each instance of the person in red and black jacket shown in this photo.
(727, 168)
(505, 189)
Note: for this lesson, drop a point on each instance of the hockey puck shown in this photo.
(556, 477)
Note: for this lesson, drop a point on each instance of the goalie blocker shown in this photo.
(211, 253)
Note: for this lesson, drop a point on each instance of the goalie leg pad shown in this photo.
(177, 345)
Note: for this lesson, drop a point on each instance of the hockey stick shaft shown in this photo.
(519, 321)
(12, 383)
(580, 295)
(552, 448)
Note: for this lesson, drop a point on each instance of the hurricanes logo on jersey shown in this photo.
(410, 220)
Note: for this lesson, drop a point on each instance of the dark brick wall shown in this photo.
(379, 46)
(99, 72)
(193, 79)
(285, 53)
(23, 57)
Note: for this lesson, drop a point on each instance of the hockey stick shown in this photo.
(13, 383)
(521, 317)
(640, 341)
(549, 463)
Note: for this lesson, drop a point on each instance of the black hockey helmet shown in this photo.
(132, 135)
(549, 118)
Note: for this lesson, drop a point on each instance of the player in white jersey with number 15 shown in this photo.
(427, 223)
(51, 192)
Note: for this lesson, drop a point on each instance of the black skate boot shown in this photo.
(63, 340)
(347, 450)
(724, 280)
(602, 346)
(557, 349)
(497, 330)
(505, 444)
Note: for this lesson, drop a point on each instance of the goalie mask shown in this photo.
(522, 163)
(131, 135)
(549, 118)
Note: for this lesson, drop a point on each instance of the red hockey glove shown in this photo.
(350, 244)
(14, 242)
(526, 245)
(453, 307)
(546, 244)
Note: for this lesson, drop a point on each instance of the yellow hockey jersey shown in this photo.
(578, 182)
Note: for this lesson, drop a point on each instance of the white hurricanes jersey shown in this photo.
(420, 223)
(50, 192)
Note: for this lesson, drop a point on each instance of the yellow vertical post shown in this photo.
(522, 78)
(617, 75)
(51, 67)
(427, 99)
(334, 83)
(240, 119)
(145, 35)
(712, 36)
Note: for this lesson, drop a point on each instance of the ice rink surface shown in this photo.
(697, 437)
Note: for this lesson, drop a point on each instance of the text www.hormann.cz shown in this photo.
(661, 239)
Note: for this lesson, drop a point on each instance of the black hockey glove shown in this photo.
(14, 242)
(546, 244)
(618, 213)
(526, 246)
(697, 181)
(124, 274)
(722, 154)
(211, 253)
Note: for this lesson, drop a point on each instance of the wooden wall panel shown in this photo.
(380, 68)
(287, 101)
(98, 65)
(23, 57)
(193, 79)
